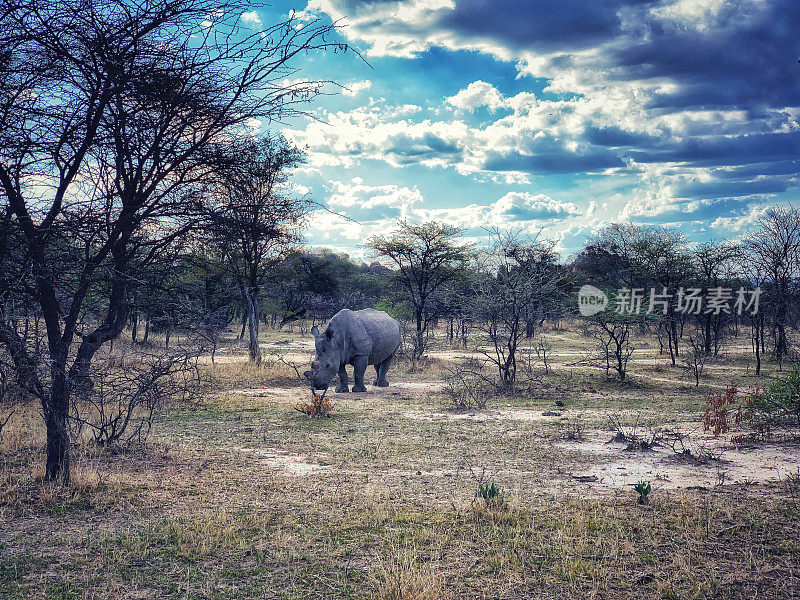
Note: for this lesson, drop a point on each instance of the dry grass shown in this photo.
(400, 576)
(220, 502)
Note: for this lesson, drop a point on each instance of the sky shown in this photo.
(551, 117)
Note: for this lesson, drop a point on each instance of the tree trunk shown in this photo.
(57, 468)
(757, 347)
(146, 331)
(134, 327)
(670, 328)
(529, 328)
(252, 324)
(56, 410)
(420, 340)
(781, 344)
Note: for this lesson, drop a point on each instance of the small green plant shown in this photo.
(490, 492)
(779, 404)
(643, 488)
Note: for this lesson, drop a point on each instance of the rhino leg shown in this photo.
(359, 367)
(381, 369)
(342, 387)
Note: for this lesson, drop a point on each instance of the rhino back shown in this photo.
(383, 331)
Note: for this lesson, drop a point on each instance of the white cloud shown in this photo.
(254, 124)
(476, 95)
(251, 18)
(696, 13)
(379, 207)
(409, 19)
(740, 222)
(356, 87)
(399, 200)
(600, 108)
(524, 206)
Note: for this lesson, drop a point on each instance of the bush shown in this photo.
(466, 388)
(779, 405)
(727, 411)
(717, 416)
(118, 403)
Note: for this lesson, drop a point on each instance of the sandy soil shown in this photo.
(293, 465)
(615, 466)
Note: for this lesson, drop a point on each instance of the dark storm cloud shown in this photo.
(406, 149)
(725, 150)
(553, 162)
(691, 63)
(732, 189)
(545, 25)
(745, 56)
(617, 137)
(789, 167)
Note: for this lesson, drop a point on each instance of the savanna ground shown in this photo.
(241, 496)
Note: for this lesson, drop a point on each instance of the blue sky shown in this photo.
(551, 116)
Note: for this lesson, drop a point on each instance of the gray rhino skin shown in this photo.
(360, 338)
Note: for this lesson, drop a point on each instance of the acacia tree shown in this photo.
(754, 274)
(111, 116)
(427, 258)
(254, 216)
(636, 256)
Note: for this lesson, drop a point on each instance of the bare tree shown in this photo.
(774, 250)
(714, 263)
(695, 358)
(753, 272)
(523, 273)
(613, 335)
(111, 116)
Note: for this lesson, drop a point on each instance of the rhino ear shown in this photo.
(329, 333)
(315, 331)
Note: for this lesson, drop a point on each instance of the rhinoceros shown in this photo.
(360, 338)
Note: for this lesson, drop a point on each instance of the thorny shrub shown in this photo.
(779, 405)
(466, 387)
(117, 405)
